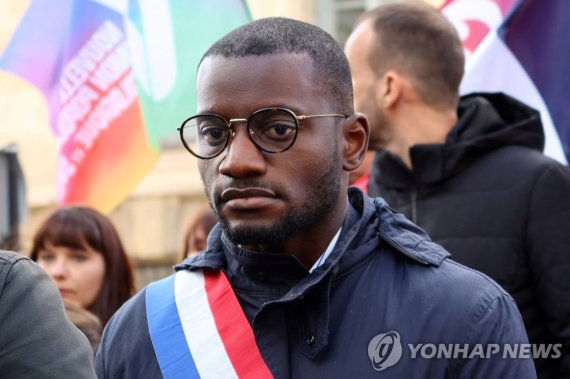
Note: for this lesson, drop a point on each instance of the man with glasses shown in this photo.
(303, 278)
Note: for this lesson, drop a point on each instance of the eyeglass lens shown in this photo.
(272, 130)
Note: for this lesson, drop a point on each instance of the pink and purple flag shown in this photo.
(520, 47)
(118, 76)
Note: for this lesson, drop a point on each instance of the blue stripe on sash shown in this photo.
(166, 333)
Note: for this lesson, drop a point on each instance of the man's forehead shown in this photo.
(272, 62)
(274, 77)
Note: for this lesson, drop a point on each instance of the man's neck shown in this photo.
(419, 125)
(308, 245)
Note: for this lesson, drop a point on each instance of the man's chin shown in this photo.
(251, 235)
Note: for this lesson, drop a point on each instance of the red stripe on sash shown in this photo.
(233, 327)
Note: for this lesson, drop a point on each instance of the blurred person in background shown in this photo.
(82, 252)
(195, 235)
(37, 340)
(468, 170)
(85, 321)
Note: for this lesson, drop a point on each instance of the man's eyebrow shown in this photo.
(287, 106)
(273, 105)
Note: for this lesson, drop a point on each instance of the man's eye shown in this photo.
(213, 133)
(279, 130)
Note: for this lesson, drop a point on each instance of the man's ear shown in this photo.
(388, 89)
(356, 134)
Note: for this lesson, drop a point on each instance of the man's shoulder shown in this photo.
(17, 268)
(405, 250)
(129, 321)
(126, 347)
(463, 299)
(9, 258)
(34, 345)
(134, 308)
(457, 278)
(519, 160)
(442, 275)
(502, 170)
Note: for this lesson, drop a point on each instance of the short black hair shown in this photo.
(278, 35)
(416, 38)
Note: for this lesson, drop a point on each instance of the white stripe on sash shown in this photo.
(200, 330)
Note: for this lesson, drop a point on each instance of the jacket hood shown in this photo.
(487, 121)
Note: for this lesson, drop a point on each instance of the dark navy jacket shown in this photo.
(385, 287)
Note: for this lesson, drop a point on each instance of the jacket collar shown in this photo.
(406, 237)
(487, 121)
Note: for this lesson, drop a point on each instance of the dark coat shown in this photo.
(491, 198)
(37, 340)
(384, 275)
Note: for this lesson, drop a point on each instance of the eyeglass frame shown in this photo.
(228, 124)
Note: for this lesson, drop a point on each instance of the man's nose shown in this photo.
(243, 158)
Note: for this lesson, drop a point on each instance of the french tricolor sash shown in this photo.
(198, 329)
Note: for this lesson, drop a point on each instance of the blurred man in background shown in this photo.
(469, 171)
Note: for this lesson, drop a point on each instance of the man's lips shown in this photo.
(242, 193)
(248, 198)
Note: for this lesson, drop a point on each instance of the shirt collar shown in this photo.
(327, 252)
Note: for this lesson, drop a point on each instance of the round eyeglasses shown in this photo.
(272, 130)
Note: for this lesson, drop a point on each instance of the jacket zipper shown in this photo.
(414, 199)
